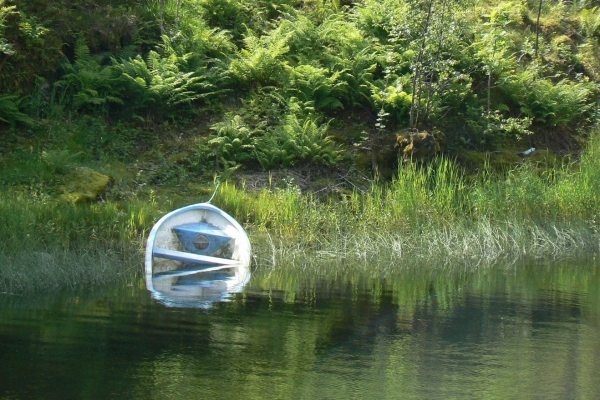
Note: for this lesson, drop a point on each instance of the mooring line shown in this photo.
(216, 187)
(11, 294)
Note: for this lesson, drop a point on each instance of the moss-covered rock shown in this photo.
(417, 145)
(85, 185)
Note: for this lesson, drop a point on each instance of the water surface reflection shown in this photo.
(527, 331)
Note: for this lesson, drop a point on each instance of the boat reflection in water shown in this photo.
(198, 289)
(196, 256)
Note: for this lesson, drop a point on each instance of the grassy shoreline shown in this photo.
(432, 215)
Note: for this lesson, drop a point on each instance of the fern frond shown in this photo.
(9, 110)
(261, 61)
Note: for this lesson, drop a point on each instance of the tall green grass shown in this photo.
(30, 223)
(434, 212)
(49, 243)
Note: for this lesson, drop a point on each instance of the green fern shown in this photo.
(232, 141)
(590, 21)
(297, 141)
(199, 43)
(89, 84)
(9, 110)
(317, 85)
(5, 11)
(159, 84)
(340, 47)
(552, 104)
(261, 61)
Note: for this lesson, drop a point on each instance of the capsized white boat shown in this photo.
(195, 256)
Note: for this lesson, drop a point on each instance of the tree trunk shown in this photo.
(177, 16)
(435, 63)
(162, 17)
(537, 29)
(417, 76)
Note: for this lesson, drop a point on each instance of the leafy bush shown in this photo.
(374, 17)
(394, 99)
(222, 13)
(510, 12)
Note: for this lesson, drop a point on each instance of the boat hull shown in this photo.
(197, 255)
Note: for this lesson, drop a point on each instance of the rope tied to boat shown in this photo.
(217, 183)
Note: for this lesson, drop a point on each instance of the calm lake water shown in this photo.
(523, 331)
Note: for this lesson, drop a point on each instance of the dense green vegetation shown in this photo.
(163, 94)
(279, 83)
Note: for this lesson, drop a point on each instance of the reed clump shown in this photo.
(434, 214)
(31, 222)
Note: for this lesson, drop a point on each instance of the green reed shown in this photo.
(435, 212)
(44, 222)
(568, 193)
(50, 243)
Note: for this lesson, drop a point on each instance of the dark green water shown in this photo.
(528, 331)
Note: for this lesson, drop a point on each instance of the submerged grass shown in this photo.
(472, 246)
(48, 243)
(54, 269)
(429, 215)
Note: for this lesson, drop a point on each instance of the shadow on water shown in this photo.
(323, 331)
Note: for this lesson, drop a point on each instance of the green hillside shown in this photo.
(270, 84)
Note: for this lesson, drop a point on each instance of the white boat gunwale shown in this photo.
(202, 206)
(184, 256)
(203, 269)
